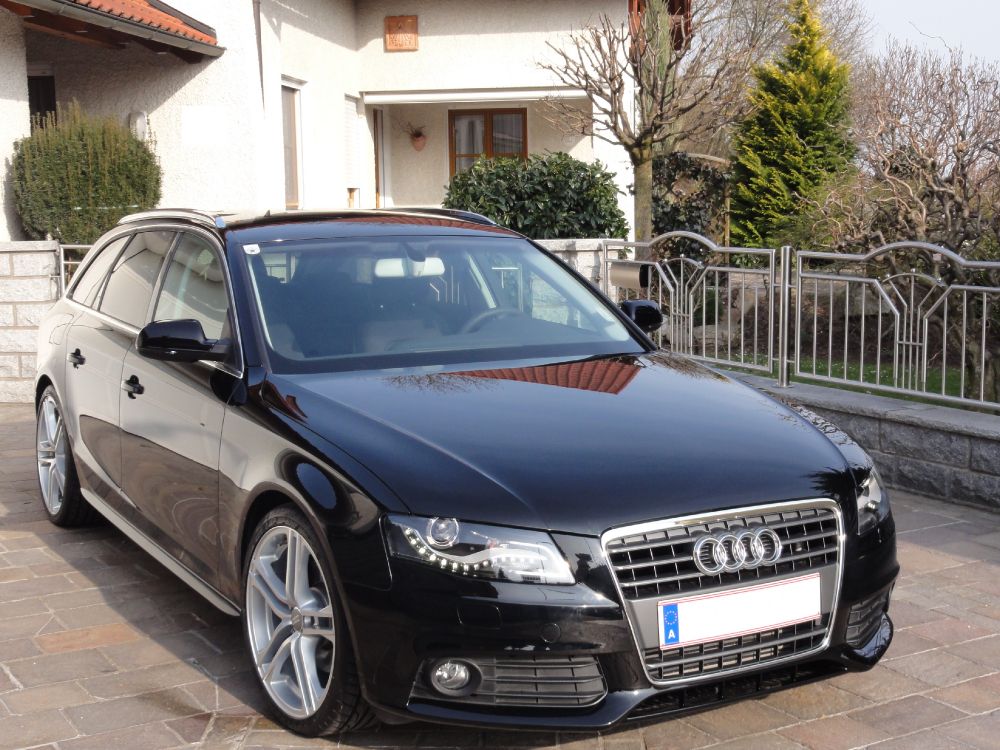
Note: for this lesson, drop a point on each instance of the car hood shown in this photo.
(577, 447)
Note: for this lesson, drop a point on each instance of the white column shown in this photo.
(15, 121)
(617, 162)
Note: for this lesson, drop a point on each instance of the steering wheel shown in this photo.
(476, 321)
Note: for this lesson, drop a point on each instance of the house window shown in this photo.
(41, 95)
(486, 132)
(290, 136)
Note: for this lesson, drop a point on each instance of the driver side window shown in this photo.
(194, 287)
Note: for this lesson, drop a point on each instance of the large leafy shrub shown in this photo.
(76, 175)
(545, 197)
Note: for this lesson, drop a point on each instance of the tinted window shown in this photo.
(355, 304)
(130, 286)
(86, 289)
(194, 288)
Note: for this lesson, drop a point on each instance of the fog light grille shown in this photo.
(542, 682)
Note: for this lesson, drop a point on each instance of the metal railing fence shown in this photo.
(719, 306)
(908, 318)
(70, 258)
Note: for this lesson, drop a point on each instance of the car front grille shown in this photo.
(654, 562)
(734, 653)
(541, 682)
(660, 562)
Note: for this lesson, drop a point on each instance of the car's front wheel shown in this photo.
(296, 630)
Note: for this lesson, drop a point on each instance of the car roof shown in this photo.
(288, 225)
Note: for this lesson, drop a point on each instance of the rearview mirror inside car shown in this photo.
(407, 268)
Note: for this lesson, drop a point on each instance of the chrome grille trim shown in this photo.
(830, 554)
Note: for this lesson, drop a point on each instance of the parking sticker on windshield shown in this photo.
(251, 249)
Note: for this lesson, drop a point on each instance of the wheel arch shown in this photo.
(263, 503)
(43, 382)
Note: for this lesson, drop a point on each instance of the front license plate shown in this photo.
(728, 614)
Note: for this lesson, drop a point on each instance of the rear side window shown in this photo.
(86, 289)
(194, 287)
(130, 286)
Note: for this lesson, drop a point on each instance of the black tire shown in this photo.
(343, 708)
(74, 510)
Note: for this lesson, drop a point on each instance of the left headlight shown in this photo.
(873, 502)
(478, 551)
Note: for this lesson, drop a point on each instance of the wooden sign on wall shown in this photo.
(401, 33)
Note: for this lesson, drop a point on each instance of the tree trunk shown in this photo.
(991, 378)
(643, 198)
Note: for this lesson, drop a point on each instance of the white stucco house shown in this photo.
(300, 103)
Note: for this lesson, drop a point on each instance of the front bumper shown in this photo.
(427, 615)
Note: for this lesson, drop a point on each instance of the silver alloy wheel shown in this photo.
(50, 437)
(290, 622)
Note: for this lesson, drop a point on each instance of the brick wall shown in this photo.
(28, 287)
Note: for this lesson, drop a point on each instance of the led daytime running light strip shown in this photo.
(471, 564)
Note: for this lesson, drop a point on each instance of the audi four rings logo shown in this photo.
(730, 550)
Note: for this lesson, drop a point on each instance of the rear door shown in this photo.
(171, 423)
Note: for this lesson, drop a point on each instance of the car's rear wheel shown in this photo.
(296, 631)
(57, 480)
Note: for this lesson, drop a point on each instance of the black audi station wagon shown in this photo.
(439, 476)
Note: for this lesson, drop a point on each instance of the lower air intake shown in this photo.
(540, 682)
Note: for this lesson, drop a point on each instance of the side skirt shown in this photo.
(158, 553)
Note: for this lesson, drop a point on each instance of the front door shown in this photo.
(172, 413)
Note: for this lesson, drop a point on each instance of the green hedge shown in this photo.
(544, 197)
(75, 176)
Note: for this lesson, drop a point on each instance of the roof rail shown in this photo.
(454, 213)
(213, 220)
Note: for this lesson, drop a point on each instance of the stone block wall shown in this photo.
(29, 284)
(938, 451)
(584, 256)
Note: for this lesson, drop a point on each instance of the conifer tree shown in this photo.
(796, 137)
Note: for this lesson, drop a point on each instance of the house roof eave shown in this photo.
(107, 20)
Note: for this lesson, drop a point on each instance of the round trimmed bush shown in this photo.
(75, 176)
(551, 196)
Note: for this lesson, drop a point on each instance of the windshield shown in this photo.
(399, 302)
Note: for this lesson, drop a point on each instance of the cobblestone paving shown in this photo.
(101, 648)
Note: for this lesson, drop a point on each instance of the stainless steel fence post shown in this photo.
(783, 315)
(603, 281)
(62, 270)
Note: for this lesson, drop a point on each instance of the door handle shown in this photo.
(133, 387)
(76, 358)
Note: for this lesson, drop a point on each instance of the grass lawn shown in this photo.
(952, 376)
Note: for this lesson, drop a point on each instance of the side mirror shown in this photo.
(179, 341)
(644, 313)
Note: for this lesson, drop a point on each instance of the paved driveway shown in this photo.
(101, 648)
